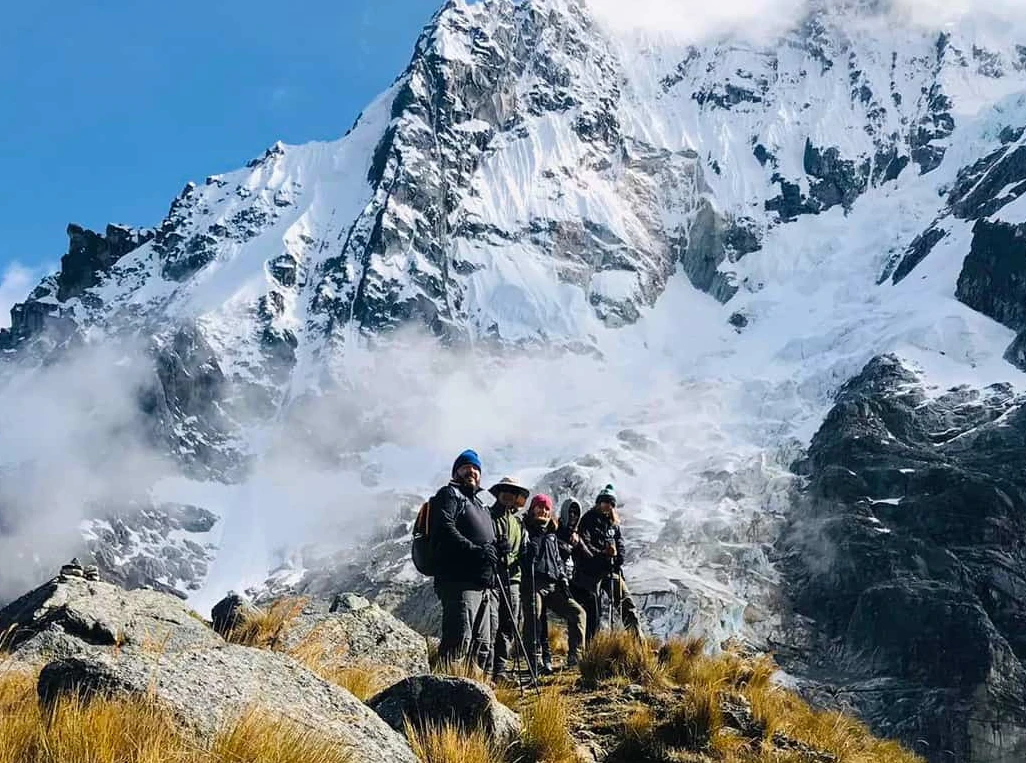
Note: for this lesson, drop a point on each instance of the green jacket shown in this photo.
(509, 526)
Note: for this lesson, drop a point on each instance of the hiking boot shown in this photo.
(572, 660)
(546, 668)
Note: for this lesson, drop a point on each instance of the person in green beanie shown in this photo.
(598, 563)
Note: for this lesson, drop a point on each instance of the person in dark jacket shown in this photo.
(464, 543)
(545, 582)
(574, 553)
(510, 497)
(598, 563)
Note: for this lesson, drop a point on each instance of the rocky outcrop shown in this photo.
(993, 277)
(435, 699)
(906, 551)
(207, 688)
(91, 255)
(61, 612)
(355, 631)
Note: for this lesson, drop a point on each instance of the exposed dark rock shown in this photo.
(906, 551)
(1016, 352)
(993, 277)
(102, 614)
(90, 255)
(738, 320)
(986, 186)
(837, 180)
(711, 241)
(229, 613)
(917, 252)
(207, 688)
(436, 699)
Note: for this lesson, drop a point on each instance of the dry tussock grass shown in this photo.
(619, 654)
(363, 679)
(264, 627)
(445, 743)
(132, 730)
(546, 735)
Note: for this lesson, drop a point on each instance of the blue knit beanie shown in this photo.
(466, 457)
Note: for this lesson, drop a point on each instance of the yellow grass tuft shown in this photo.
(546, 737)
(559, 642)
(264, 628)
(259, 737)
(460, 669)
(446, 743)
(134, 730)
(619, 654)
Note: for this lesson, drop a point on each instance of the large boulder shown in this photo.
(353, 631)
(230, 612)
(70, 614)
(446, 699)
(207, 688)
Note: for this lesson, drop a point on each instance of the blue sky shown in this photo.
(108, 108)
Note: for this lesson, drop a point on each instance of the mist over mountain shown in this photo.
(763, 266)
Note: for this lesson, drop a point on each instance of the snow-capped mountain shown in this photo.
(594, 255)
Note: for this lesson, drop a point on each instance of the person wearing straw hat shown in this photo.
(510, 497)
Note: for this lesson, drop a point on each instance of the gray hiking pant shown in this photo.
(556, 600)
(506, 624)
(467, 624)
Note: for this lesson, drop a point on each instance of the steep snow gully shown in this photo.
(594, 255)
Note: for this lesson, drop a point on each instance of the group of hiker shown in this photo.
(498, 574)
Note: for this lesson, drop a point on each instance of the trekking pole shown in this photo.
(519, 641)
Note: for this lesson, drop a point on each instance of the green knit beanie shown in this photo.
(608, 492)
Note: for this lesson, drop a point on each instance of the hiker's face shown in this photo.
(541, 512)
(606, 507)
(507, 499)
(574, 514)
(468, 474)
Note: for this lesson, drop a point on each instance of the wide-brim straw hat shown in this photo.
(510, 485)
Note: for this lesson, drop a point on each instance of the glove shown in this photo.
(503, 548)
(489, 555)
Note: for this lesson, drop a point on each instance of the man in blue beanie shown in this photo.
(464, 545)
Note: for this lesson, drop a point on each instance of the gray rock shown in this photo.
(101, 614)
(229, 612)
(436, 699)
(206, 689)
(355, 631)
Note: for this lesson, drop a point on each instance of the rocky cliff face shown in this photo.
(907, 552)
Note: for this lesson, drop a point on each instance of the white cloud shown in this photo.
(696, 21)
(15, 284)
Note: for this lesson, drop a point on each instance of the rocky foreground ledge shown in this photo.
(359, 679)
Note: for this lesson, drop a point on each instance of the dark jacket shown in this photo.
(460, 528)
(541, 553)
(597, 531)
(509, 526)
